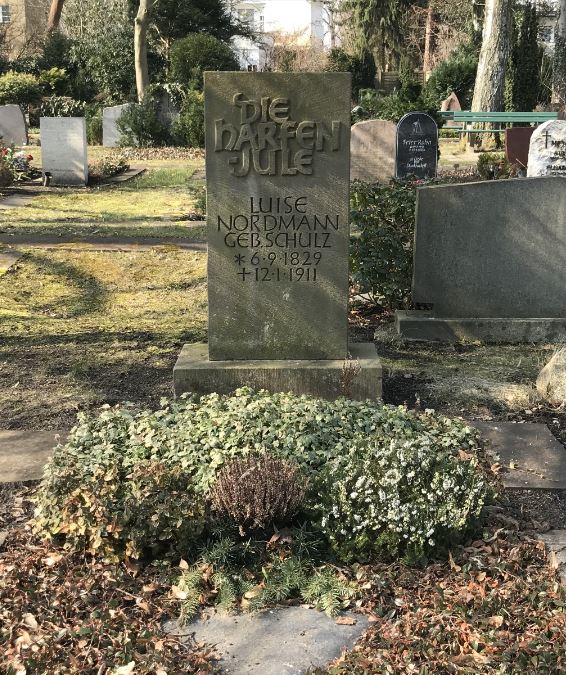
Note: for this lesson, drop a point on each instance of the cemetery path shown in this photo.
(99, 243)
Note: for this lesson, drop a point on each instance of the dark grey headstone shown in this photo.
(492, 249)
(278, 216)
(417, 146)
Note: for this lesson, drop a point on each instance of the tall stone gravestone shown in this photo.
(13, 129)
(277, 165)
(417, 146)
(547, 150)
(451, 104)
(372, 156)
(64, 150)
(490, 258)
(110, 131)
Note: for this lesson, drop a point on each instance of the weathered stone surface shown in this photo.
(424, 326)
(493, 249)
(532, 459)
(417, 146)
(13, 128)
(23, 454)
(547, 150)
(551, 382)
(451, 103)
(372, 157)
(517, 141)
(359, 378)
(64, 150)
(279, 641)
(110, 131)
(278, 218)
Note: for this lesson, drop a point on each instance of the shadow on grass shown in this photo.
(89, 294)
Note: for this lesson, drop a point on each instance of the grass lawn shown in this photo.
(78, 329)
(151, 205)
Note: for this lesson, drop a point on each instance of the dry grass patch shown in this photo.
(78, 329)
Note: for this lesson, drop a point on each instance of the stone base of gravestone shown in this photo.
(358, 378)
(425, 327)
(64, 150)
(13, 128)
(110, 131)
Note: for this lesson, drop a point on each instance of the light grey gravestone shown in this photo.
(64, 150)
(277, 166)
(13, 129)
(373, 151)
(489, 257)
(417, 146)
(547, 150)
(110, 131)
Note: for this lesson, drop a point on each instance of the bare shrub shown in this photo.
(256, 492)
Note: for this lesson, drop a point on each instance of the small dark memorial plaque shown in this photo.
(277, 168)
(417, 146)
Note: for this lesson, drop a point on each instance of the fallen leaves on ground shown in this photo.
(495, 606)
(62, 613)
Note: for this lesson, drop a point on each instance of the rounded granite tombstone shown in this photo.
(417, 146)
(547, 150)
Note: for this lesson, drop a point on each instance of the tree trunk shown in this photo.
(429, 42)
(490, 79)
(54, 14)
(559, 76)
(141, 24)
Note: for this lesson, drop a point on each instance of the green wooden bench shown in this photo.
(501, 118)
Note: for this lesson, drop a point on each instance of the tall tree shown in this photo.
(376, 25)
(141, 24)
(54, 18)
(490, 79)
(559, 63)
(523, 84)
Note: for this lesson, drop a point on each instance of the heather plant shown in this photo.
(258, 491)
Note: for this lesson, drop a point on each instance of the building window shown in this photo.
(546, 34)
(246, 16)
(4, 13)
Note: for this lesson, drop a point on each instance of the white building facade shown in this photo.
(302, 21)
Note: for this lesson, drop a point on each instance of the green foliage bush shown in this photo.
(381, 256)
(192, 55)
(91, 484)
(374, 105)
(6, 176)
(493, 165)
(140, 126)
(53, 81)
(362, 68)
(188, 130)
(62, 106)
(21, 88)
(94, 125)
(457, 74)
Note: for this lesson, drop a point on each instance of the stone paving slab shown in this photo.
(15, 200)
(7, 260)
(23, 454)
(555, 542)
(280, 641)
(532, 458)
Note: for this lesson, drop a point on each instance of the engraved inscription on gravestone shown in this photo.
(417, 146)
(547, 150)
(277, 166)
